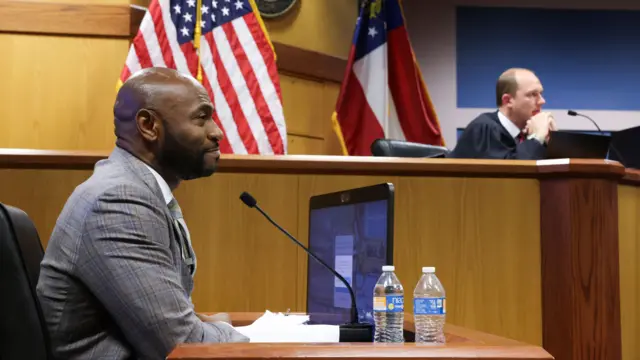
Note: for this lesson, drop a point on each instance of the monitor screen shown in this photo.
(354, 237)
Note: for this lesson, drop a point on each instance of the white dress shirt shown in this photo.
(509, 125)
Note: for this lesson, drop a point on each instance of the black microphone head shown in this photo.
(572, 113)
(248, 200)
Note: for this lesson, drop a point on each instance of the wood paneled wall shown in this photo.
(59, 71)
(629, 247)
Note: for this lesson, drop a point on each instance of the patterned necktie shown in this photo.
(186, 250)
(521, 138)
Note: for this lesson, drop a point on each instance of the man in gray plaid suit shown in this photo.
(116, 278)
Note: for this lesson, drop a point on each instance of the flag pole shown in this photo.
(196, 37)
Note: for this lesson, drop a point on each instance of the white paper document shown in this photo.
(274, 328)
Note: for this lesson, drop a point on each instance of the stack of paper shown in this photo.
(271, 328)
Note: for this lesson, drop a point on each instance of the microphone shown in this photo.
(352, 332)
(575, 113)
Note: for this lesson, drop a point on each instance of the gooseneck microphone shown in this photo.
(574, 113)
(352, 332)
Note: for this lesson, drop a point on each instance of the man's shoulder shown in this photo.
(487, 119)
(108, 183)
(107, 178)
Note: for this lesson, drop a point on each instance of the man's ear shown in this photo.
(506, 98)
(147, 124)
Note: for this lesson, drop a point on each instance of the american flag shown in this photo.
(234, 59)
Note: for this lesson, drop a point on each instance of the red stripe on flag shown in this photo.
(265, 49)
(359, 125)
(225, 146)
(416, 116)
(141, 50)
(231, 96)
(191, 56)
(124, 75)
(254, 90)
(156, 14)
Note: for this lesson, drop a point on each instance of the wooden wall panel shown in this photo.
(580, 269)
(330, 94)
(483, 242)
(324, 26)
(244, 263)
(99, 18)
(303, 106)
(305, 145)
(58, 92)
(629, 229)
(40, 193)
(308, 107)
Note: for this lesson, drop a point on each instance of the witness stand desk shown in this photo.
(460, 344)
(545, 253)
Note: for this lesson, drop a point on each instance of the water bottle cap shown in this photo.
(388, 268)
(429, 269)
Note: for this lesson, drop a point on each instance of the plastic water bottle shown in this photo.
(429, 308)
(388, 307)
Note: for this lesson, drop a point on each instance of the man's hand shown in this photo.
(540, 125)
(224, 317)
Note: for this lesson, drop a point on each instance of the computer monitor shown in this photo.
(352, 231)
(625, 147)
(577, 145)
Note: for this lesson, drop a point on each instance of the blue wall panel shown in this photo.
(586, 59)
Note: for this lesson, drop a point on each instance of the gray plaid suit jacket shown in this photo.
(113, 283)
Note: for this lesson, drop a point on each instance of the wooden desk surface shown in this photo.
(345, 165)
(461, 344)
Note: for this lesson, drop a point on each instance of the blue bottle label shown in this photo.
(389, 303)
(430, 306)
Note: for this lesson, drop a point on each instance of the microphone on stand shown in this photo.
(352, 332)
(575, 113)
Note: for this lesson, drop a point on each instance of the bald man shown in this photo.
(517, 130)
(116, 278)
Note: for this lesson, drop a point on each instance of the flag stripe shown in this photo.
(263, 45)
(241, 42)
(371, 72)
(224, 142)
(132, 63)
(244, 130)
(246, 104)
(142, 52)
(393, 129)
(148, 32)
(170, 30)
(365, 128)
(163, 42)
(222, 114)
(406, 91)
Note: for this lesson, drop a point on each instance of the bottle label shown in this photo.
(389, 303)
(430, 306)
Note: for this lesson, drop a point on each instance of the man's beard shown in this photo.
(186, 163)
